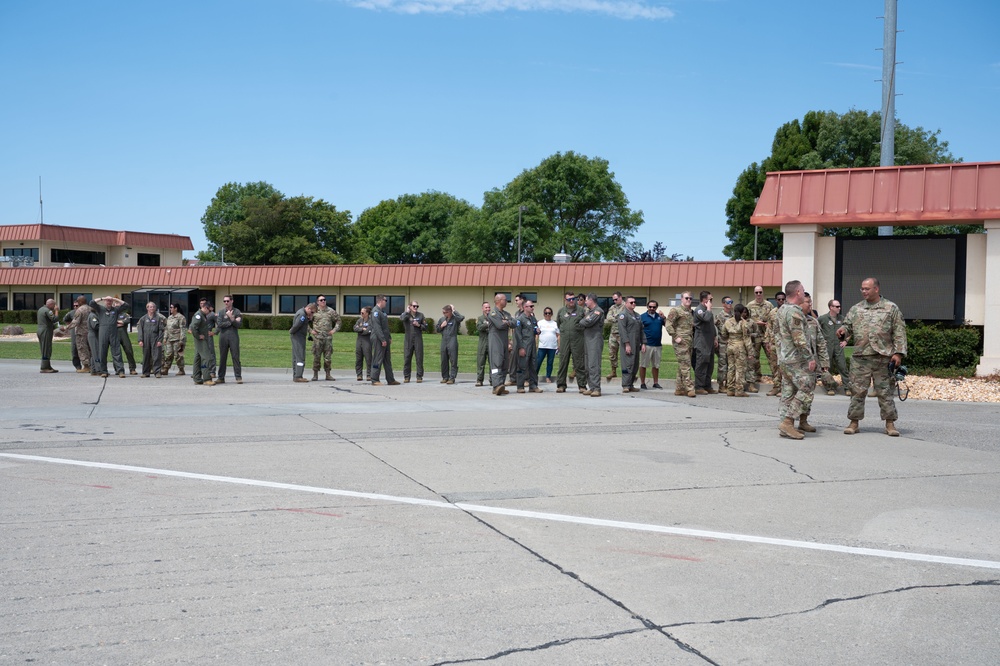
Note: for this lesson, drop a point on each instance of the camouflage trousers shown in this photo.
(736, 370)
(871, 370)
(797, 390)
(322, 352)
(753, 364)
(722, 365)
(682, 350)
(614, 344)
(82, 349)
(173, 349)
(772, 360)
(838, 365)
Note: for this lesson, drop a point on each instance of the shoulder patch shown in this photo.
(621, 316)
(198, 316)
(302, 319)
(374, 314)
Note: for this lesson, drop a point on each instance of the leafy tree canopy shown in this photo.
(256, 225)
(569, 201)
(637, 252)
(826, 140)
(412, 229)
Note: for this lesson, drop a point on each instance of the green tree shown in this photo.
(826, 140)
(412, 229)
(259, 225)
(226, 209)
(569, 201)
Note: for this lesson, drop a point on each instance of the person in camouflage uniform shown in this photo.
(795, 360)
(483, 350)
(325, 323)
(879, 333)
(828, 324)
(174, 339)
(81, 314)
(614, 339)
(680, 328)
(771, 344)
(722, 365)
(759, 309)
(736, 335)
(817, 346)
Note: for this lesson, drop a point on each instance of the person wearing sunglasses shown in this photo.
(633, 344)
(652, 326)
(548, 343)
(680, 328)
(759, 309)
(414, 325)
(325, 323)
(448, 326)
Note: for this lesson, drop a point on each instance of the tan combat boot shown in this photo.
(890, 429)
(787, 429)
(752, 388)
(614, 373)
(775, 390)
(691, 393)
(804, 424)
(731, 393)
(315, 375)
(180, 371)
(853, 428)
(329, 377)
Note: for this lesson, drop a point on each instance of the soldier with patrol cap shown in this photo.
(592, 325)
(632, 336)
(174, 339)
(680, 328)
(879, 333)
(325, 323)
(614, 341)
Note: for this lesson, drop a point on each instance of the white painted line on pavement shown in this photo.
(518, 513)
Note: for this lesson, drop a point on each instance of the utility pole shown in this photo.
(888, 154)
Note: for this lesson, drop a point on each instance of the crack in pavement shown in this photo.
(761, 455)
(991, 582)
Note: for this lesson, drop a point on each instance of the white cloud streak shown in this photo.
(622, 9)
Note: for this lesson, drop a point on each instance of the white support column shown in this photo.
(798, 260)
(990, 362)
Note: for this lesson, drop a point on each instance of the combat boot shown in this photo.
(315, 375)
(752, 388)
(890, 429)
(804, 425)
(680, 391)
(614, 373)
(730, 393)
(775, 390)
(691, 393)
(596, 393)
(180, 371)
(787, 429)
(741, 394)
(853, 428)
(329, 377)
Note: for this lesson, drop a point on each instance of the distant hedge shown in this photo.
(940, 346)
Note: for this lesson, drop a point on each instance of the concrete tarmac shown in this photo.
(147, 521)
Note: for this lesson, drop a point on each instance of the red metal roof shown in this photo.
(54, 232)
(896, 196)
(570, 276)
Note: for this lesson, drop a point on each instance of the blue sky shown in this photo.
(134, 113)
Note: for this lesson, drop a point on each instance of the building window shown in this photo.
(144, 259)
(66, 300)
(28, 252)
(394, 305)
(77, 257)
(30, 301)
(253, 303)
(508, 294)
(3, 301)
(290, 304)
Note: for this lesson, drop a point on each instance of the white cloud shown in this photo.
(623, 9)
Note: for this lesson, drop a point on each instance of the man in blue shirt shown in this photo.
(652, 327)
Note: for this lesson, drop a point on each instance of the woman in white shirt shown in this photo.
(548, 343)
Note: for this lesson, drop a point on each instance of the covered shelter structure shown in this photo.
(945, 278)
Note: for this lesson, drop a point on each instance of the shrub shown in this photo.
(281, 322)
(938, 346)
(347, 323)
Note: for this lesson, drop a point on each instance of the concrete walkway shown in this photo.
(154, 521)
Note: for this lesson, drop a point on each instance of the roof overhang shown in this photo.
(897, 196)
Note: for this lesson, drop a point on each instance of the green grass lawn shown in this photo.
(273, 349)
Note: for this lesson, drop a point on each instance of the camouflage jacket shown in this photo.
(612, 317)
(680, 323)
(737, 331)
(721, 317)
(758, 313)
(876, 328)
(325, 322)
(792, 343)
(817, 343)
(176, 325)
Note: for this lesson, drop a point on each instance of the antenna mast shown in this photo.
(41, 209)
(888, 154)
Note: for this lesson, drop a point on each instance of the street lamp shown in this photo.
(520, 210)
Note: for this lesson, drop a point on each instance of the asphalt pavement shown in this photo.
(147, 521)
